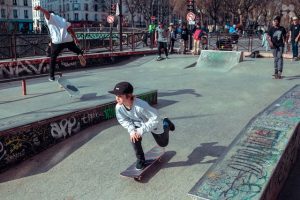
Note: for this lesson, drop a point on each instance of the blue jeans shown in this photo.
(295, 49)
(278, 59)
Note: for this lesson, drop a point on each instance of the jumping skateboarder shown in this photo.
(62, 36)
(139, 118)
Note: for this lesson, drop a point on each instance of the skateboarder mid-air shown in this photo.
(62, 36)
(139, 118)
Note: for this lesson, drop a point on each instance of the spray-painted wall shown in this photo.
(19, 143)
(259, 159)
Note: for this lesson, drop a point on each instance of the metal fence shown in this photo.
(94, 40)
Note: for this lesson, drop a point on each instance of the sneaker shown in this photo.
(279, 75)
(82, 60)
(140, 164)
(158, 58)
(51, 79)
(171, 125)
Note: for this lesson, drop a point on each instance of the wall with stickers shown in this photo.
(19, 143)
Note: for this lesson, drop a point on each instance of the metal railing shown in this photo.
(94, 40)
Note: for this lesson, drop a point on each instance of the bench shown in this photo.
(258, 161)
(24, 78)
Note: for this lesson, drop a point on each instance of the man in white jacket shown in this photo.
(62, 36)
(139, 118)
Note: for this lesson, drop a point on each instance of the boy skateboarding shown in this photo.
(139, 118)
(62, 36)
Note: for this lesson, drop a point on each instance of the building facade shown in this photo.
(16, 16)
(78, 12)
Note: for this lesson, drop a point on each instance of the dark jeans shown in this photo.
(162, 45)
(171, 45)
(295, 49)
(185, 45)
(151, 35)
(161, 139)
(278, 59)
(55, 51)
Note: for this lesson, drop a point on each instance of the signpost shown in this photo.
(110, 19)
(190, 17)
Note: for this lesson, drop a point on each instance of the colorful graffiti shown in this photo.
(19, 143)
(259, 159)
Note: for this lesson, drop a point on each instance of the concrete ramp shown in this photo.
(221, 61)
(259, 159)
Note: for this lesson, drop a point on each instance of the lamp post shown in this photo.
(120, 25)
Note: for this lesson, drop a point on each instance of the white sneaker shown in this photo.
(82, 60)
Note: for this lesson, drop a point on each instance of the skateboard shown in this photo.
(159, 59)
(69, 87)
(152, 156)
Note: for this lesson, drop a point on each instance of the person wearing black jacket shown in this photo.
(185, 37)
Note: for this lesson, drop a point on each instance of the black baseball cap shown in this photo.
(122, 88)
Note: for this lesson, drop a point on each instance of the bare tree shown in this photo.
(132, 6)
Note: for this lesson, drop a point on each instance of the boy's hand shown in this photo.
(135, 137)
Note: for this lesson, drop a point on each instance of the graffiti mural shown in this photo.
(36, 67)
(65, 127)
(19, 143)
(259, 159)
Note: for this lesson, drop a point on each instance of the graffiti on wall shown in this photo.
(29, 140)
(26, 67)
(258, 162)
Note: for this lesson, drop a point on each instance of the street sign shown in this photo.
(153, 18)
(190, 16)
(110, 19)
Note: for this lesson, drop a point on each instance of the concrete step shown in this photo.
(26, 134)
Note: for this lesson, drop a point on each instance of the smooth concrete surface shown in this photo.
(208, 108)
(219, 60)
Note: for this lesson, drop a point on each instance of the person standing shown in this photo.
(173, 34)
(294, 37)
(151, 31)
(62, 36)
(161, 37)
(276, 38)
(185, 37)
(197, 38)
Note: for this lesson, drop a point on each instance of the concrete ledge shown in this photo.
(40, 65)
(23, 141)
(219, 60)
(259, 159)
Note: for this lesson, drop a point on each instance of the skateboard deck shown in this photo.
(159, 59)
(152, 156)
(68, 86)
